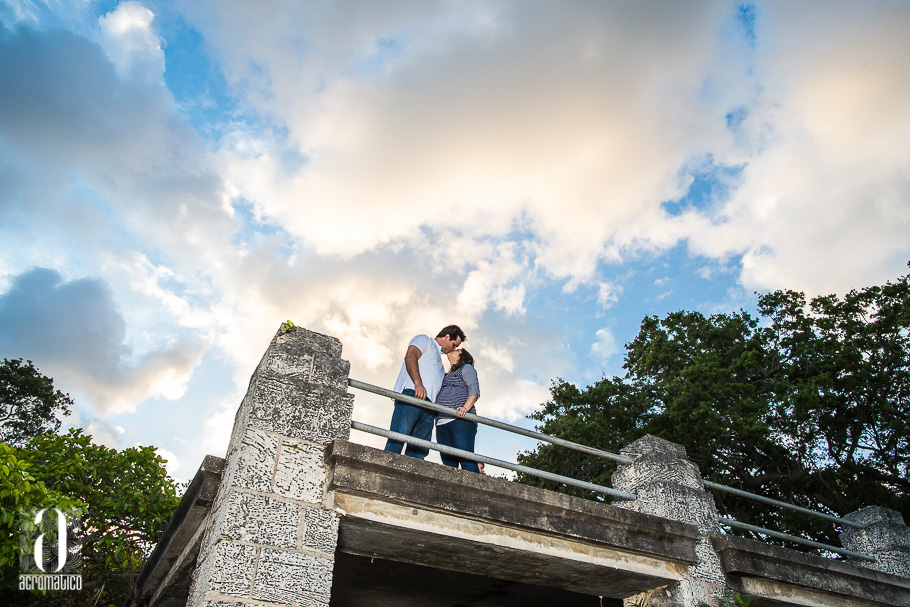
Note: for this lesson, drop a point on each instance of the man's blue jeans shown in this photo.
(458, 433)
(414, 421)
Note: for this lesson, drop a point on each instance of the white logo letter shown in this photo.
(61, 541)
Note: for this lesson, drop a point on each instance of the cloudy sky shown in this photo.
(177, 178)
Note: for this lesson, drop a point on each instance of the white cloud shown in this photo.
(73, 330)
(514, 403)
(585, 172)
(441, 139)
(608, 294)
(823, 203)
(216, 433)
(131, 43)
(604, 346)
(172, 464)
(104, 434)
(498, 283)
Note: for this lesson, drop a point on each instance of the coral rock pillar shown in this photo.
(669, 485)
(885, 537)
(271, 538)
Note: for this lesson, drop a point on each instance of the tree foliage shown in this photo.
(21, 495)
(29, 405)
(806, 403)
(128, 500)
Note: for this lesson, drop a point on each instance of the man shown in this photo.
(421, 376)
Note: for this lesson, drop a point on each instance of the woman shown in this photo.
(460, 390)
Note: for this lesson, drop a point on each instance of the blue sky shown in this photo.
(177, 178)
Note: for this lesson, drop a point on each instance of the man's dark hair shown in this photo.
(453, 331)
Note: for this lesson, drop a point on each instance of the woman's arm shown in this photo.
(469, 376)
(467, 406)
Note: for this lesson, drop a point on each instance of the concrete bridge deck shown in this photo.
(452, 522)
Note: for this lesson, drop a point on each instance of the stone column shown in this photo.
(886, 538)
(271, 538)
(669, 485)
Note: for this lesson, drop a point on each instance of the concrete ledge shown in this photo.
(404, 509)
(164, 580)
(778, 575)
(359, 469)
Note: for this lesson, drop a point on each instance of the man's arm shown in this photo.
(410, 363)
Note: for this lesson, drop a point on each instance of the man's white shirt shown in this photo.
(429, 364)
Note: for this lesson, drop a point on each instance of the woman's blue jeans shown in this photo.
(411, 420)
(458, 433)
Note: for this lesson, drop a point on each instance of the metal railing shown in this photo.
(590, 451)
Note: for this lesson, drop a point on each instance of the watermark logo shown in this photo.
(51, 551)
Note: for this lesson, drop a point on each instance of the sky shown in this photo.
(177, 178)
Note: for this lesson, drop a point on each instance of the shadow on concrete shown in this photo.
(361, 581)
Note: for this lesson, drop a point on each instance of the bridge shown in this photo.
(296, 514)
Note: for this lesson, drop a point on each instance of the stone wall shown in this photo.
(271, 537)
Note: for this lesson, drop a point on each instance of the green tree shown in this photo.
(807, 403)
(21, 495)
(128, 498)
(29, 405)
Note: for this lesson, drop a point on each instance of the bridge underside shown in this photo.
(372, 582)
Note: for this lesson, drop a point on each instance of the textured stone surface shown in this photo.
(252, 464)
(708, 568)
(261, 519)
(676, 502)
(657, 466)
(650, 445)
(309, 341)
(215, 523)
(689, 593)
(228, 571)
(331, 371)
(241, 422)
(311, 412)
(321, 530)
(876, 515)
(290, 578)
(290, 367)
(299, 389)
(886, 538)
(301, 471)
(304, 357)
(303, 368)
(892, 560)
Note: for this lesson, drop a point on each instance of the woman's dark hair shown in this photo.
(464, 358)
